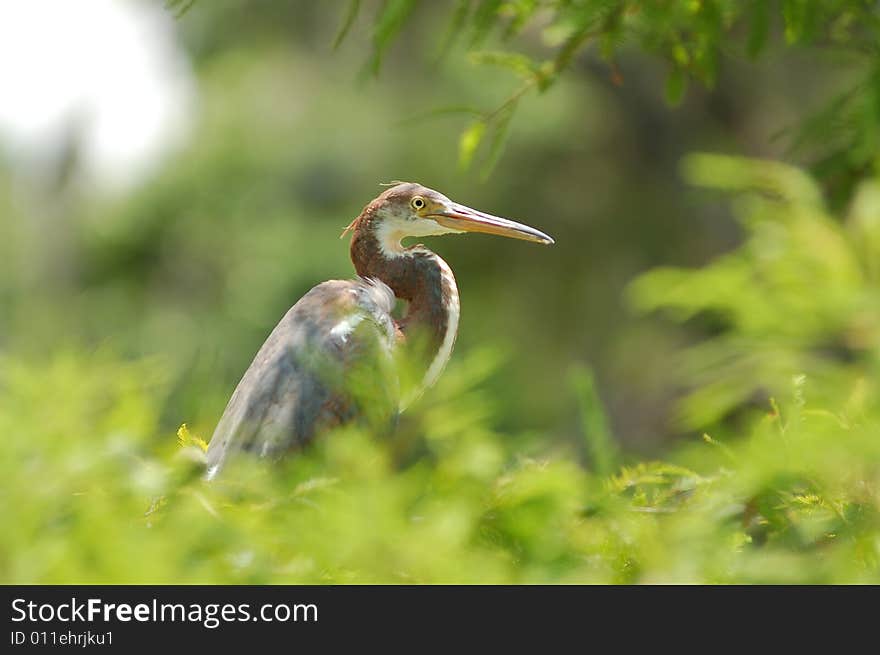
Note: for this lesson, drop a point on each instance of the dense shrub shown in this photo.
(788, 491)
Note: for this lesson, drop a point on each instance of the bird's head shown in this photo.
(407, 209)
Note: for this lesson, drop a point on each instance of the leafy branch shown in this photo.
(691, 37)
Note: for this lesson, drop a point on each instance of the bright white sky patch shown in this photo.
(110, 67)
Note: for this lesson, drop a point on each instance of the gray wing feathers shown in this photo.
(296, 384)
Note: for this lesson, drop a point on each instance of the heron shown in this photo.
(330, 361)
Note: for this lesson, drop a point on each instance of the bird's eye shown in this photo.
(418, 202)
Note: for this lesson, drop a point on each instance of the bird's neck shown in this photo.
(425, 282)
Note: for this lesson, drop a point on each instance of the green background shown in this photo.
(735, 339)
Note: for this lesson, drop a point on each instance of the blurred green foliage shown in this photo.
(800, 296)
(791, 495)
(691, 38)
(123, 317)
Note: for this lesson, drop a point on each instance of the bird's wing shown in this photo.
(327, 362)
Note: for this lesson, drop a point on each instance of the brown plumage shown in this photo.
(330, 359)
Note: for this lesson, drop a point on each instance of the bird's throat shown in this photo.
(426, 283)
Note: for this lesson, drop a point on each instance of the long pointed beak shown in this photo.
(464, 219)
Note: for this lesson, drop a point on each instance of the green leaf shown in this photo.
(519, 64)
(389, 23)
(354, 7)
(759, 25)
(523, 11)
(469, 142)
(456, 26)
(603, 451)
(864, 225)
(499, 140)
(742, 174)
(484, 20)
(794, 12)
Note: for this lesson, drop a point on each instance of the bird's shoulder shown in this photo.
(334, 310)
(331, 346)
(370, 294)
